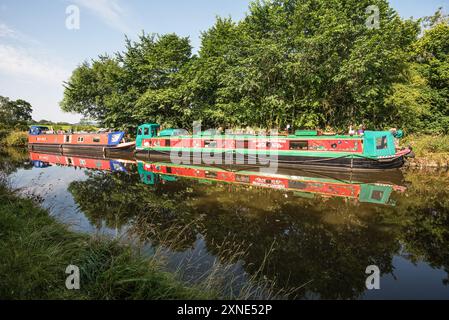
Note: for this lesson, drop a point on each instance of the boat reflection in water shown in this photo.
(364, 188)
(87, 161)
(299, 229)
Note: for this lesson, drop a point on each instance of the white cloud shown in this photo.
(7, 32)
(110, 11)
(19, 62)
(28, 71)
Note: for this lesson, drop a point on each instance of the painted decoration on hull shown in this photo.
(274, 144)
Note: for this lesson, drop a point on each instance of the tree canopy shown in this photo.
(14, 113)
(309, 63)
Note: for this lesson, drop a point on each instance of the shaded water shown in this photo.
(310, 230)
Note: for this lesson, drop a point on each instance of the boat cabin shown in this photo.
(372, 144)
(37, 130)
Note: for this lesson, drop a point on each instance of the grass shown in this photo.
(220, 277)
(36, 249)
(429, 150)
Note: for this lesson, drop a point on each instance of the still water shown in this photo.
(311, 233)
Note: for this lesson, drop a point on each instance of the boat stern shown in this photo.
(115, 138)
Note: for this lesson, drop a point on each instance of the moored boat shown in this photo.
(41, 138)
(374, 150)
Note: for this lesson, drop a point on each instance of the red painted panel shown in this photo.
(339, 145)
(46, 139)
(281, 144)
(85, 139)
(273, 183)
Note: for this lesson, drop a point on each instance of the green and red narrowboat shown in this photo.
(374, 150)
(42, 138)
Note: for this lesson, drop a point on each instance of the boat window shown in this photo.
(140, 132)
(381, 143)
(80, 139)
(67, 139)
(167, 142)
(299, 145)
(294, 184)
(146, 131)
(211, 174)
(210, 144)
(242, 178)
(377, 195)
(242, 144)
(96, 139)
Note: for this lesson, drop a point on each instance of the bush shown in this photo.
(424, 145)
(3, 134)
(16, 139)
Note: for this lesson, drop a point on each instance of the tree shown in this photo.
(309, 63)
(138, 85)
(14, 113)
(432, 61)
(314, 63)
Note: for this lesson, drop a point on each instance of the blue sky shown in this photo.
(38, 52)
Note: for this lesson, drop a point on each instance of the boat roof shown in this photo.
(248, 136)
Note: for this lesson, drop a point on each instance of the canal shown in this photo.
(310, 235)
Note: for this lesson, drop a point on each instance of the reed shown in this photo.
(36, 249)
(223, 275)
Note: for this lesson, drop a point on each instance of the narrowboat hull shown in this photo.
(343, 163)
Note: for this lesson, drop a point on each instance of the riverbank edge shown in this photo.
(36, 251)
(431, 151)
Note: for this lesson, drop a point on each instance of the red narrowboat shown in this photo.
(40, 137)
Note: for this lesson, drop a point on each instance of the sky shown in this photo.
(40, 42)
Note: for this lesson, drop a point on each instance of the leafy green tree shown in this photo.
(309, 63)
(14, 113)
(138, 85)
(432, 61)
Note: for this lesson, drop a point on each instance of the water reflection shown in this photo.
(320, 229)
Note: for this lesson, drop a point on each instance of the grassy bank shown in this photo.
(430, 151)
(36, 250)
